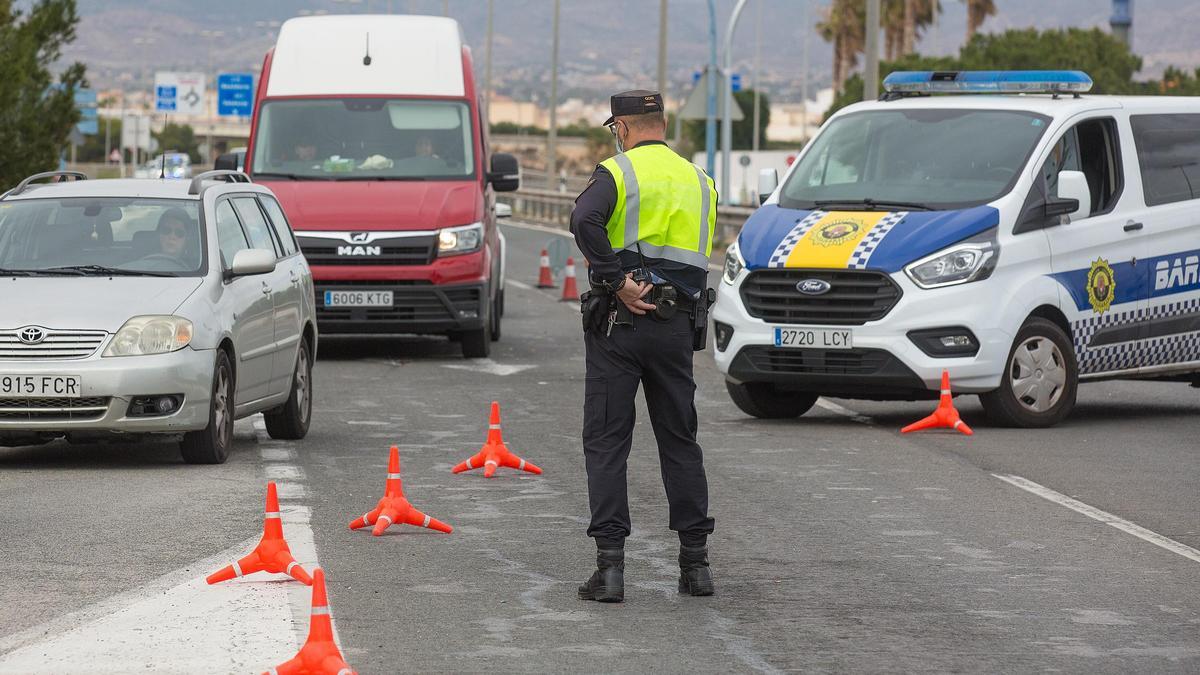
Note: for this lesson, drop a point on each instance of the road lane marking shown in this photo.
(489, 366)
(1102, 516)
(518, 284)
(842, 410)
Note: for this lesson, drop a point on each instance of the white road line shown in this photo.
(1102, 516)
(518, 284)
(842, 410)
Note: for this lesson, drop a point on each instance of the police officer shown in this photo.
(645, 224)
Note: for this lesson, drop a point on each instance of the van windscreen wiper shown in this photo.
(289, 176)
(101, 270)
(871, 204)
(16, 273)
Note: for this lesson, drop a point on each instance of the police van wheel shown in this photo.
(1039, 384)
(764, 401)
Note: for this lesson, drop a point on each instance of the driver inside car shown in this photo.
(177, 241)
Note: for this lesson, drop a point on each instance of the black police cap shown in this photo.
(636, 102)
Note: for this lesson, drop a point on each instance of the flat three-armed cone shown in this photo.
(272, 553)
(495, 453)
(394, 508)
(945, 417)
(320, 654)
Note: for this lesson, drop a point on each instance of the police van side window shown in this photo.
(230, 237)
(1168, 150)
(280, 223)
(1091, 147)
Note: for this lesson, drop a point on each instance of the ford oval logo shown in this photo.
(31, 335)
(814, 287)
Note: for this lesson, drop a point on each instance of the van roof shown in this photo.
(1045, 104)
(409, 55)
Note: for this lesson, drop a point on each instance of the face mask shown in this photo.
(617, 139)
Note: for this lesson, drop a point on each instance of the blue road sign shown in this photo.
(85, 101)
(735, 81)
(235, 94)
(164, 99)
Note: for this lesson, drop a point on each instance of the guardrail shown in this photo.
(551, 207)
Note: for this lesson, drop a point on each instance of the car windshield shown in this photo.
(99, 235)
(364, 139)
(914, 158)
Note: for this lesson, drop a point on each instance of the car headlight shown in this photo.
(971, 260)
(734, 263)
(144, 335)
(464, 239)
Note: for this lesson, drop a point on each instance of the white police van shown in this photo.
(1023, 236)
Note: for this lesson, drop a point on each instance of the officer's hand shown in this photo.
(632, 293)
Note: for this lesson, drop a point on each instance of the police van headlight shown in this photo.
(145, 335)
(457, 240)
(734, 263)
(971, 260)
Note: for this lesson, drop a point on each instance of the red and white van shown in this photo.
(371, 132)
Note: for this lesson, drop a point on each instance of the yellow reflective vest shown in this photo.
(666, 206)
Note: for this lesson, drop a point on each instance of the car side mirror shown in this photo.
(505, 174)
(768, 180)
(503, 210)
(228, 161)
(251, 261)
(1072, 187)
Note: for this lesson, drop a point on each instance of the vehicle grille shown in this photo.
(30, 409)
(855, 297)
(58, 344)
(396, 251)
(817, 361)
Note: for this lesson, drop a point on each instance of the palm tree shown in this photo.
(903, 23)
(844, 26)
(977, 12)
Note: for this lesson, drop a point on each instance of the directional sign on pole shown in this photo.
(181, 93)
(696, 106)
(235, 94)
(735, 81)
(85, 101)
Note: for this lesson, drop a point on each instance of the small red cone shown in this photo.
(495, 453)
(570, 291)
(945, 417)
(545, 278)
(272, 553)
(320, 654)
(393, 507)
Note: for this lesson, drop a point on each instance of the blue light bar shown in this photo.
(989, 82)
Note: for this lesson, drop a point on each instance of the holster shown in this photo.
(700, 319)
(594, 305)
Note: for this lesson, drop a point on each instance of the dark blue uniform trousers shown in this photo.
(658, 355)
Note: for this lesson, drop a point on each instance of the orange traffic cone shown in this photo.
(570, 291)
(394, 508)
(272, 553)
(945, 417)
(495, 453)
(320, 654)
(545, 278)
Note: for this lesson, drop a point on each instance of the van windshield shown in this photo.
(931, 158)
(364, 139)
(107, 235)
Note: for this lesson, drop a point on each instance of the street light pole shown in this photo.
(710, 117)
(727, 120)
(757, 88)
(487, 73)
(871, 67)
(552, 137)
(662, 48)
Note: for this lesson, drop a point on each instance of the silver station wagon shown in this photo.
(151, 307)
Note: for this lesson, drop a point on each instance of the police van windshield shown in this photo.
(89, 235)
(364, 139)
(935, 158)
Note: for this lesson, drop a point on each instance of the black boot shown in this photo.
(695, 578)
(607, 583)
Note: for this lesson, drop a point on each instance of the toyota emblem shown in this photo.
(31, 335)
(814, 287)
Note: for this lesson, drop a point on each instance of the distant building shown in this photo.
(798, 122)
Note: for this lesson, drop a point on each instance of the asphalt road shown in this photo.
(840, 545)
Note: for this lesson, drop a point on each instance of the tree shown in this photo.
(977, 12)
(844, 26)
(179, 138)
(37, 114)
(743, 138)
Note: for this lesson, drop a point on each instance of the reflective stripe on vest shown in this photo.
(665, 206)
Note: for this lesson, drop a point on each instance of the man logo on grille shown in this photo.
(31, 335)
(359, 237)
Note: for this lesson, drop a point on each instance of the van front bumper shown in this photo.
(884, 362)
(107, 388)
(416, 308)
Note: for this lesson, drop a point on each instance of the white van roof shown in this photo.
(410, 55)
(1060, 107)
